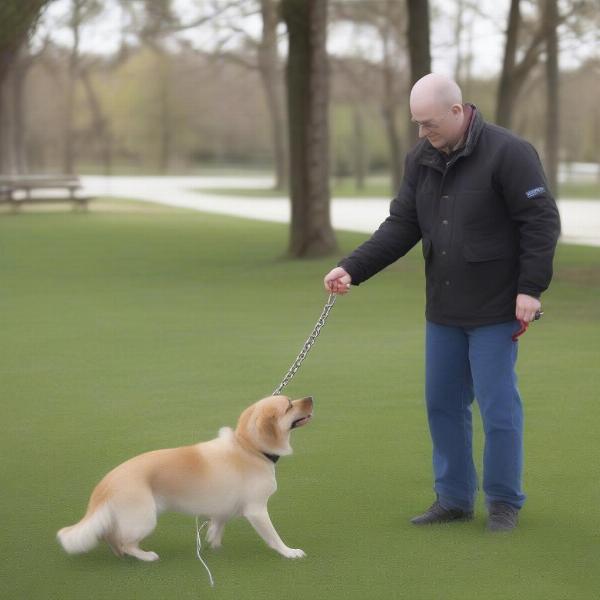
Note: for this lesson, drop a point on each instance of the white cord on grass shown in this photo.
(199, 547)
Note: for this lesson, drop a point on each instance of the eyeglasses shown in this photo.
(432, 123)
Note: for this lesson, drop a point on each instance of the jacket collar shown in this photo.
(475, 129)
(432, 157)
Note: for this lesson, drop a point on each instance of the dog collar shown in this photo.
(272, 457)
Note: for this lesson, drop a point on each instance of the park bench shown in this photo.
(18, 189)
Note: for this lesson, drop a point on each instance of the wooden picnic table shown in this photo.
(18, 189)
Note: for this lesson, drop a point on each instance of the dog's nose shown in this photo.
(310, 399)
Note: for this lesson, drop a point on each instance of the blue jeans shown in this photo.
(463, 364)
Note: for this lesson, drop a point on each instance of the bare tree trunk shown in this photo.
(358, 89)
(552, 93)
(515, 74)
(69, 148)
(308, 95)
(395, 147)
(391, 131)
(360, 145)
(17, 108)
(100, 128)
(17, 19)
(68, 158)
(506, 94)
(388, 111)
(268, 65)
(19, 73)
(418, 49)
(458, 29)
(7, 154)
(597, 144)
(158, 13)
(467, 69)
(164, 104)
(388, 17)
(165, 114)
(418, 39)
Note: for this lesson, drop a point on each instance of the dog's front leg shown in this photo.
(260, 520)
(214, 535)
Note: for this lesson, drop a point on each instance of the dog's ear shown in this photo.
(243, 423)
(267, 428)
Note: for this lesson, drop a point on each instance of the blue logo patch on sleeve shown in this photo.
(535, 192)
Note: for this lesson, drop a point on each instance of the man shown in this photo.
(477, 197)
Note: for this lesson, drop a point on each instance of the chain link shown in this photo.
(307, 345)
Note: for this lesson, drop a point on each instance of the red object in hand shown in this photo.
(522, 330)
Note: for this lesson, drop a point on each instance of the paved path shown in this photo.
(580, 218)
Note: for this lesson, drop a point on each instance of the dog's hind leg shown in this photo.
(135, 519)
(137, 552)
(114, 545)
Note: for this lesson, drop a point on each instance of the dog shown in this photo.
(229, 476)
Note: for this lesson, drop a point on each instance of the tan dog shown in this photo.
(232, 475)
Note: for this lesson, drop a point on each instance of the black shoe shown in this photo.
(503, 517)
(436, 513)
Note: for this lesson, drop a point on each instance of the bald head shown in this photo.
(435, 91)
(436, 106)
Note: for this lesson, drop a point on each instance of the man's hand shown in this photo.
(527, 306)
(337, 281)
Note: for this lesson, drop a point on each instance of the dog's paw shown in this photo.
(145, 556)
(151, 557)
(294, 553)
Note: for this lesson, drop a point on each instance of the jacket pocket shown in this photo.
(489, 249)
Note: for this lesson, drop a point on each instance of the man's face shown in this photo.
(441, 126)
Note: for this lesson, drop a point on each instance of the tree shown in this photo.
(418, 40)
(390, 99)
(552, 93)
(17, 20)
(308, 95)
(157, 17)
(227, 17)
(82, 11)
(506, 87)
(268, 62)
(15, 108)
(100, 125)
(464, 33)
(389, 21)
(515, 73)
(261, 54)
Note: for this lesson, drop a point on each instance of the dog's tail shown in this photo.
(83, 536)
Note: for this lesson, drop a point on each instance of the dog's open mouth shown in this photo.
(302, 421)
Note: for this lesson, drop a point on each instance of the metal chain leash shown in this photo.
(288, 377)
(307, 345)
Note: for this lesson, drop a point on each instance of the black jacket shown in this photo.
(488, 222)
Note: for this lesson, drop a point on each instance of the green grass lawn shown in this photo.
(131, 331)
